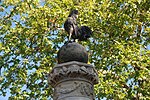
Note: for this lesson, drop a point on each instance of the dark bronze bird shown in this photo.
(70, 24)
(84, 33)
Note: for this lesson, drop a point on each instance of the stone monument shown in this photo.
(72, 78)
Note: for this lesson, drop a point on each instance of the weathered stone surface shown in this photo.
(67, 71)
(72, 51)
(74, 89)
(73, 81)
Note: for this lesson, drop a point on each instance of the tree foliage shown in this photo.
(31, 34)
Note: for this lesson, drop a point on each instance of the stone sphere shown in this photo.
(72, 51)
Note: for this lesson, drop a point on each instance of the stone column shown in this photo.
(73, 78)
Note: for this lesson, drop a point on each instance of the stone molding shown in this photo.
(72, 71)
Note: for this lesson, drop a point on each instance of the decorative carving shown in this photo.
(73, 89)
(73, 81)
(86, 89)
(70, 70)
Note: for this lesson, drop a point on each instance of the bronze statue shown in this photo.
(70, 24)
(71, 27)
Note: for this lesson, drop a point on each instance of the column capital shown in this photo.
(72, 71)
(73, 81)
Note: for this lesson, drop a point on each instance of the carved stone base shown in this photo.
(73, 81)
(69, 90)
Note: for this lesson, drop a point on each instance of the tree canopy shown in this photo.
(31, 32)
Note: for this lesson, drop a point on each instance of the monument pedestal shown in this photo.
(73, 78)
(73, 81)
